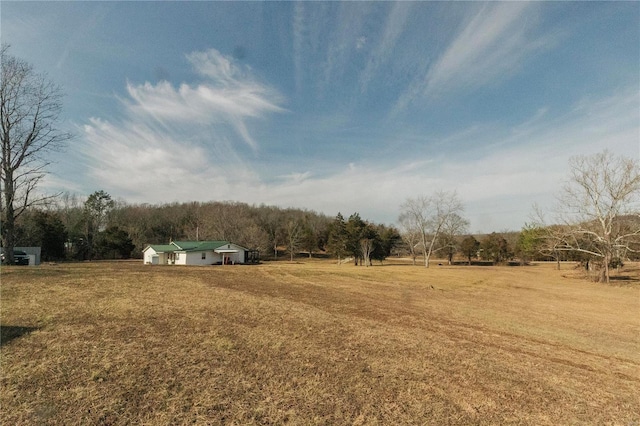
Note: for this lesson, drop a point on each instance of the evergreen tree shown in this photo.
(337, 241)
(388, 239)
(469, 247)
(113, 243)
(355, 227)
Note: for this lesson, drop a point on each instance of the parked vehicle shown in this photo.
(19, 257)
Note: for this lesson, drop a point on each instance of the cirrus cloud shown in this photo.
(228, 96)
(494, 42)
(187, 136)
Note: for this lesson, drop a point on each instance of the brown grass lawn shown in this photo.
(317, 343)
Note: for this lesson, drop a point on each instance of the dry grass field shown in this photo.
(316, 343)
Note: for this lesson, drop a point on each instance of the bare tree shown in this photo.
(599, 208)
(409, 235)
(544, 239)
(192, 222)
(429, 216)
(220, 220)
(271, 219)
(452, 229)
(314, 232)
(366, 247)
(30, 107)
(294, 236)
(415, 215)
(254, 237)
(97, 208)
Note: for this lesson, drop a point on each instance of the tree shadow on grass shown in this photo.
(10, 332)
(622, 279)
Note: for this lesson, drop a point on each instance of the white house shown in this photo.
(197, 253)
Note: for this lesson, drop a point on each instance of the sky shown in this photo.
(335, 107)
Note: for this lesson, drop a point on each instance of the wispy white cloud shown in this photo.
(85, 27)
(499, 178)
(312, 22)
(219, 68)
(344, 41)
(129, 155)
(327, 36)
(213, 136)
(498, 172)
(489, 45)
(528, 162)
(23, 28)
(494, 43)
(383, 51)
(169, 138)
(298, 42)
(296, 177)
(143, 164)
(228, 96)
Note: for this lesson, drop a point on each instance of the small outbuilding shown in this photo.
(197, 253)
(33, 254)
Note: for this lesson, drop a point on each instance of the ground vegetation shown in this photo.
(312, 343)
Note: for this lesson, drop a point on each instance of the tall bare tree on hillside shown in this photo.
(429, 216)
(600, 208)
(30, 107)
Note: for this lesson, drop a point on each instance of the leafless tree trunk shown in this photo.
(30, 106)
(254, 237)
(453, 227)
(294, 234)
(366, 246)
(409, 235)
(415, 213)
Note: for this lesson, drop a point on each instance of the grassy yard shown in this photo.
(317, 343)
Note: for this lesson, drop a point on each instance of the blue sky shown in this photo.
(335, 106)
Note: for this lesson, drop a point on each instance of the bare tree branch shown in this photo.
(30, 106)
(429, 217)
(599, 213)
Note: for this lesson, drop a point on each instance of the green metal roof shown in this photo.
(188, 246)
(162, 248)
(197, 245)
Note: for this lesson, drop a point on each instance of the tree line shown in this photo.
(597, 220)
(71, 227)
(601, 229)
(100, 227)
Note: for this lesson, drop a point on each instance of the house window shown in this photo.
(204, 255)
